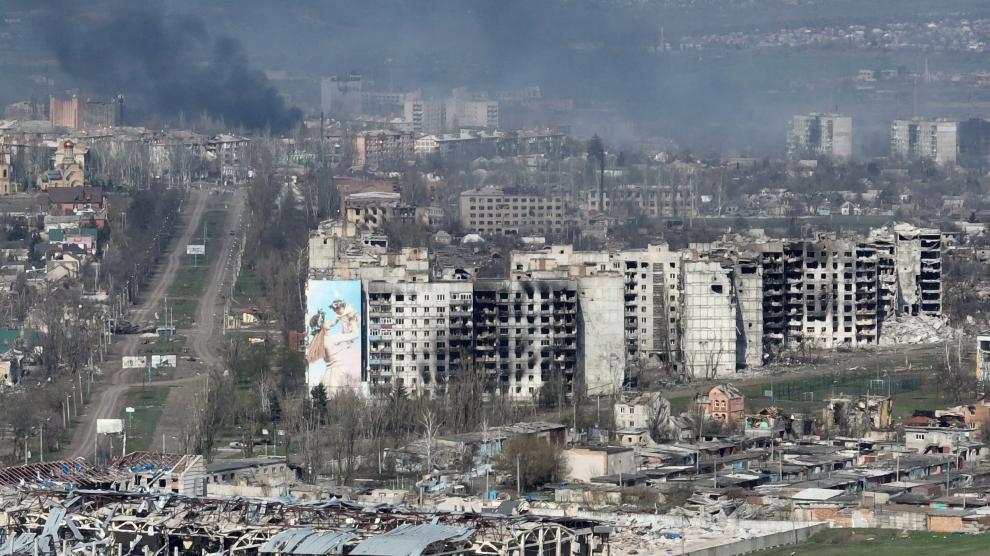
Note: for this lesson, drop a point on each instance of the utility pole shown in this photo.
(518, 477)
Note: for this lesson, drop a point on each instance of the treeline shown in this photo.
(277, 233)
(55, 384)
(148, 223)
(340, 434)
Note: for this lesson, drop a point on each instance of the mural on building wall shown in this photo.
(333, 334)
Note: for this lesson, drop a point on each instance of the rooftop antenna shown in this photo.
(914, 102)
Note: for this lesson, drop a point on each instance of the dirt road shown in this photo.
(116, 380)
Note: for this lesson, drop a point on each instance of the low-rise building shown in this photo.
(383, 148)
(724, 403)
(493, 210)
(73, 200)
(271, 472)
(584, 464)
(161, 472)
(640, 412)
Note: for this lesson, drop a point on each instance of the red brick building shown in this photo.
(725, 403)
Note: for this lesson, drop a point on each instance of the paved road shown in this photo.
(209, 319)
(205, 339)
(116, 380)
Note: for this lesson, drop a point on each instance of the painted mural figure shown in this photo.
(334, 344)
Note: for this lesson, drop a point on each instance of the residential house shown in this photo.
(637, 412)
(69, 200)
(725, 403)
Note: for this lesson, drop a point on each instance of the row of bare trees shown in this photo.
(341, 434)
(54, 383)
(141, 232)
(278, 229)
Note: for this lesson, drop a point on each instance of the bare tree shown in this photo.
(430, 423)
(211, 411)
(347, 416)
(658, 418)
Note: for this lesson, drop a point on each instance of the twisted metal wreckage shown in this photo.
(107, 522)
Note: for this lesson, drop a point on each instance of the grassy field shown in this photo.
(247, 291)
(147, 402)
(805, 394)
(183, 296)
(856, 542)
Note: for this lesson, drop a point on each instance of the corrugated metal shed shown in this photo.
(307, 541)
(817, 494)
(410, 540)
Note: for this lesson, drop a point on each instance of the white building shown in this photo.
(417, 333)
(983, 358)
(426, 116)
(934, 140)
(819, 134)
(639, 412)
(748, 283)
(584, 464)
(473, 114)
(708, 320)
(600, 338)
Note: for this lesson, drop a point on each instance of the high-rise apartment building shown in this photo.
(426, 116)
(935, 140)
(831, 292)
(383, 148)
(650, 281)
(819, 134)
(708, 320)
(526, 334)
(418, 333)
(563, 320)
(472, 114)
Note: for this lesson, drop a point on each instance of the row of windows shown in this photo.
(386, 332)
(511, 199)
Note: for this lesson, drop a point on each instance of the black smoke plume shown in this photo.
(169, 64)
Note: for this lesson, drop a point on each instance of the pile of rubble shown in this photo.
(921, 329)
(681, 537)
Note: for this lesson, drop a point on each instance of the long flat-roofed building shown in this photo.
(493, 210)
